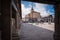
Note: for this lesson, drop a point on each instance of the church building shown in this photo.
(33, 16)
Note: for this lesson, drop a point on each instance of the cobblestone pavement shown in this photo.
(44, 25)
(30, 31)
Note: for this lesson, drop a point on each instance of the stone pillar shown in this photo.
(18, 15)
(5, 10)
(57, 22)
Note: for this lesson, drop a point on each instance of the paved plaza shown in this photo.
(36, 31)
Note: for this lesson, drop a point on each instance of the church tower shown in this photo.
(32, 10)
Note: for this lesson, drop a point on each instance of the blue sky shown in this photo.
(43, 9)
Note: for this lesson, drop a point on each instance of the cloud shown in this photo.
(41, 8)
(25, 10)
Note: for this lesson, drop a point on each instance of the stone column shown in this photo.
(57, 22)
(6, 27)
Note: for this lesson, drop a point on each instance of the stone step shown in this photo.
(15, 37)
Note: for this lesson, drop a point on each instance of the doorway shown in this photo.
(44, 14)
